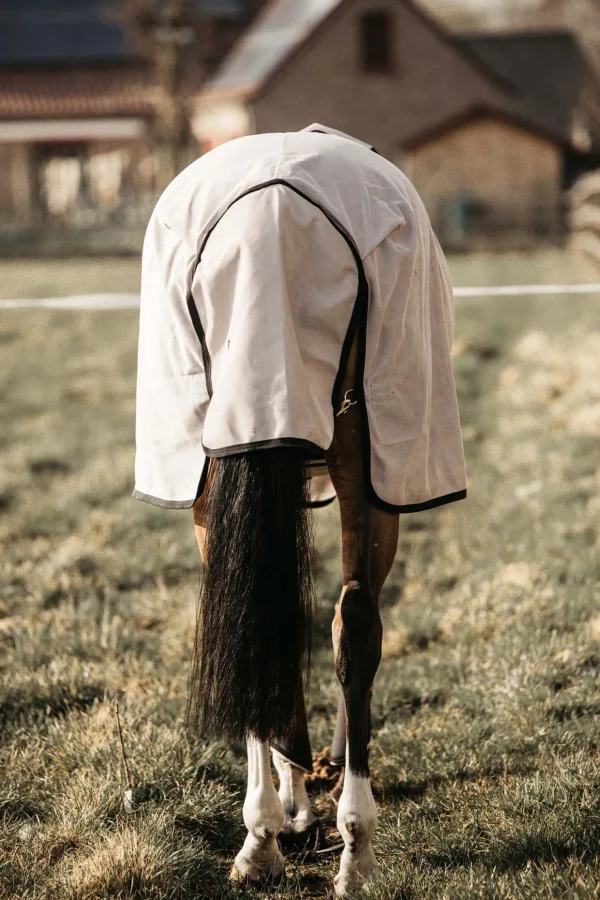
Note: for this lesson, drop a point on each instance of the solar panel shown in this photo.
(76, 31)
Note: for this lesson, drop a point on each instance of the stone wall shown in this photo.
(488, 178)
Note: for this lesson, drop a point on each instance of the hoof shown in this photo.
(343, 886)
(356, 871)
(248, 871)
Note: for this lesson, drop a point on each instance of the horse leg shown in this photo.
(357, 646)
(260, 857)
(298, 815)
(369, 542)
(357, 641)
(292, 758)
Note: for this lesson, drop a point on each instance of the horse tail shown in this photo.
(253, 630)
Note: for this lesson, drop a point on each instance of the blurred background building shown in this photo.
(492, 109)
(94, 98)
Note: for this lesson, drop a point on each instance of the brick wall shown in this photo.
(489, 177)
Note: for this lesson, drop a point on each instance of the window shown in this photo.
(376, 42)
(79, 184)
(61, 177)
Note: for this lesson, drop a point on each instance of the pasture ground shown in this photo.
(486, 711)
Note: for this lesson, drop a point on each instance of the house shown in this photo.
(489, 128)
(79, 115)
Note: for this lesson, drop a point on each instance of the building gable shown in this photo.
(431, 79)
(284, 28)
(397, 77)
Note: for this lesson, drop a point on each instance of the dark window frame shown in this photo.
(376, 44)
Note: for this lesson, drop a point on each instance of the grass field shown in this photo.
(485, 758)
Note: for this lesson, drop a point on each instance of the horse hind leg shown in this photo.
(260, 858)
(298, 815)
(292, 758)
(255, 690)
(369, 541)
(357, 657)
(357, 636)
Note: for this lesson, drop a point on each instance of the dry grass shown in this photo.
(486, 710)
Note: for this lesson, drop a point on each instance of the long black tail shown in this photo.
(252, 647)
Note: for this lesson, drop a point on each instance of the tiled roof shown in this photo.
(92, 92)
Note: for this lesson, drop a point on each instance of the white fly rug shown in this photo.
(261, 261)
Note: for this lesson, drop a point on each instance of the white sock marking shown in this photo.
(263, 817)
(298, 813)
(356, 821)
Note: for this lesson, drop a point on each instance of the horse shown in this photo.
(295, 336)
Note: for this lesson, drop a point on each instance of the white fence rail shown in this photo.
(132, 301)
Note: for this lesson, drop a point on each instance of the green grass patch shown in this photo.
(486, 709)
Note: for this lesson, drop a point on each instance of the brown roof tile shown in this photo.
(106, 91)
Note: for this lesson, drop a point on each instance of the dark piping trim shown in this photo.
(358, 324)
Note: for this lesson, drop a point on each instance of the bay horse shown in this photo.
(296, 319)
(369, 541)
